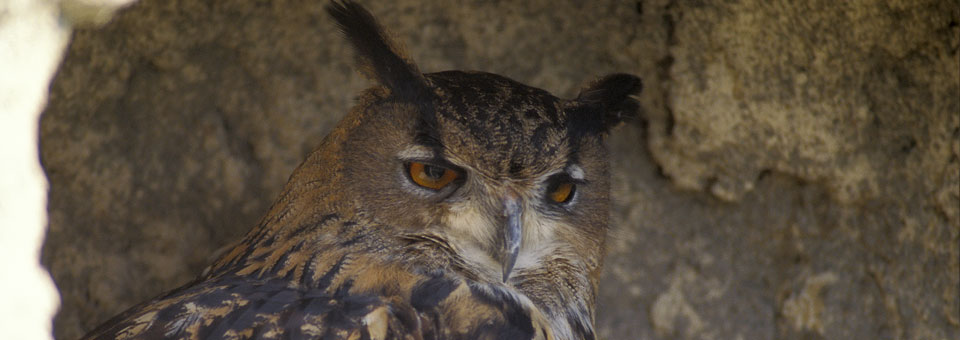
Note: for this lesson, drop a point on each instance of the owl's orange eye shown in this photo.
(430, 176)
(561, 193)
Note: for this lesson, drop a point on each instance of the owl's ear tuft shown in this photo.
(378, 58)
(607, 102)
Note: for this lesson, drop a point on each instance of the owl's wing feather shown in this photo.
(236, 307)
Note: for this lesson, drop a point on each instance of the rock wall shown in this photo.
(796, 175)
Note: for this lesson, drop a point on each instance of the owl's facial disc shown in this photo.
(503, 226)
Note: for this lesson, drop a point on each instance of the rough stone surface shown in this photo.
(797, 175)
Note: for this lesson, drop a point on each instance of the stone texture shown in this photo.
(797, 173)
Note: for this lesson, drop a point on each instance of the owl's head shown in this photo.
(508, 180)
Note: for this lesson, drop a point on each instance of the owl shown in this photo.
(448, 205)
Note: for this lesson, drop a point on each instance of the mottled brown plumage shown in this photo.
(508, 245)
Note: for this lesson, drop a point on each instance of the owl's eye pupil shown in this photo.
(434, 172)
(430, 176)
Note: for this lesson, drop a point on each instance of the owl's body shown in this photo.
(451, 205)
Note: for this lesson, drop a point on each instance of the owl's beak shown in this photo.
(513, 233)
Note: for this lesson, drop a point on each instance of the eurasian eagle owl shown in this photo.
(448, 205)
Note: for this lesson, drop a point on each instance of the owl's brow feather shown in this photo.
(383, 60)
(377, 55)
(428, 139)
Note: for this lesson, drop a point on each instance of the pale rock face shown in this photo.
(797, 174)
(33, 35)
